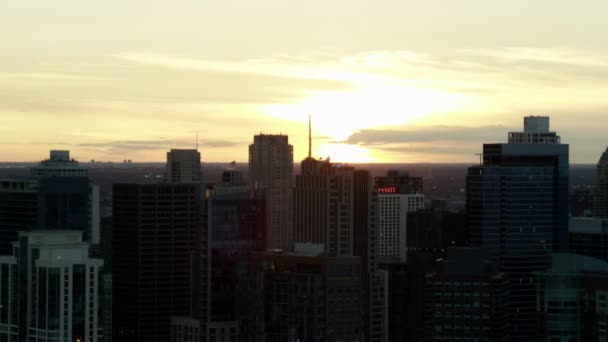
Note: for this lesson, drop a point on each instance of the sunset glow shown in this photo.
(108, 89)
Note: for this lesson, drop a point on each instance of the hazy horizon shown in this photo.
(385, 81)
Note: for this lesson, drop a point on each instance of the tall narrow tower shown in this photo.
(271, 170)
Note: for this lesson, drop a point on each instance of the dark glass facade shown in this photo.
(517, 204)
(156, 238)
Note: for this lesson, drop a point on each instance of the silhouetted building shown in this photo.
(517, 205)
(307, 296)
(59, 196)
(271, 170)
(238, 228)
(159, 264)
(59, 164)
(573, 299)
(434, 231)
(324, 206)
(50, 289)
(589, 236)
(184, 166)
(430, 233)
(600, 200)
(467, 300)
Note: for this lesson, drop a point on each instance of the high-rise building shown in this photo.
(237, 227)
(271, 170)
(517, 206)
(58, 195)
(573, 299)
(397, 195)
(157, 258)
(50, 289)
(184, 166)
(467, 300)
(307, 296)
(59, 164)
(600, 200)
(324, 206)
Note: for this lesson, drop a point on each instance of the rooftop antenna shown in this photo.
(480, 158)
(309, 137)
(197, 141)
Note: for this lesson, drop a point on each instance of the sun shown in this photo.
(346, 153)
(339, 114)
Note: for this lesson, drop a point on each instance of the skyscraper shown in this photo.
(517, 205)
(57, 195)
(156, 258)
(184, 166)
(160, 255)
(324, 206)
(600, 200)
(271, 170)
(50, 289)
(397, 195)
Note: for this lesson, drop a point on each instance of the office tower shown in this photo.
(183, 166)
(50, 289)
(600, 200)
(324, 206)
(467, 300)
(307, 296)
(237, 225)
(58, 196)
(59, 164)
(158, 259)
(589, 236)
(271, 170)
(572, 299)
(517, 206)
(397, 195)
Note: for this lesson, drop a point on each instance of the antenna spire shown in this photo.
(197, 141)
(309, 137)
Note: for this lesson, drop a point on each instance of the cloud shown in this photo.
(159, 144)
(426, 134)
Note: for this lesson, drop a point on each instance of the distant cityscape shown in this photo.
(513, 248)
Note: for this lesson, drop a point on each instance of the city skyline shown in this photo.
(386, 82)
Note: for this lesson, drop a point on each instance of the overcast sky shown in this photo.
(385, 81)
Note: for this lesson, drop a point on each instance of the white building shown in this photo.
(536, 131)
(59, 164)
(51, 276)
(393, 209)
(184, 166)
